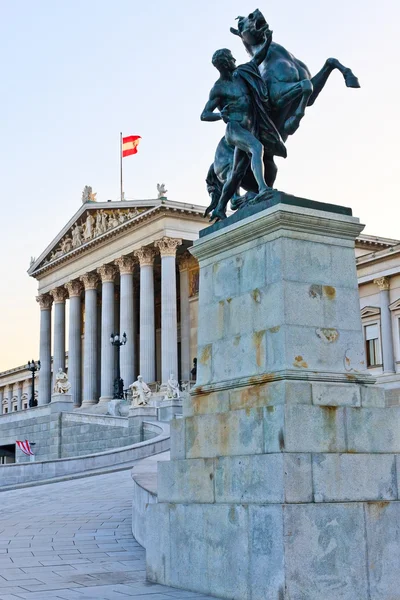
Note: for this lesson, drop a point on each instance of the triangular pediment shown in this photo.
(93, 222)
(370, 311)
(395, 305)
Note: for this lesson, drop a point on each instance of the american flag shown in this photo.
(25, 447)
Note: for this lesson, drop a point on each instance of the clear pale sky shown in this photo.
(77, 72)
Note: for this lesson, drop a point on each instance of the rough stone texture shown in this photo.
(328, 394)
(351, 477)
(373, 429)
(186, 481)
(383, 537)
(325, 552)
(236, 432)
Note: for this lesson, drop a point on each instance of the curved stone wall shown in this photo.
(21, 473)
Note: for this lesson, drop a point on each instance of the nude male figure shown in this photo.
(241, 96)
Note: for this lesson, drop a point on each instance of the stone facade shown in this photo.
(378, 270)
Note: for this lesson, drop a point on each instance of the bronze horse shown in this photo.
(291, 89)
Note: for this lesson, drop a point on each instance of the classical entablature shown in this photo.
(97, 223)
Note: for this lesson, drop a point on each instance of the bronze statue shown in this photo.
(289, 90)
(242, 98)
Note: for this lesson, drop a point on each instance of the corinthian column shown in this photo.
(127, 319)
(59, 297)
(147, 323)
(107, 274)
(45, 302)
(184, 264)
(74, 289)
(386, 324)
(169, 323)
(90, 281)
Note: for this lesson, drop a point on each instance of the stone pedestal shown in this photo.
(62, 403)
(283, 482)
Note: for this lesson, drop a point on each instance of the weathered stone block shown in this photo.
(157, 536)
(177, 427)
(274, 428)
(314, 429)
(266, 569)
(217, 552)
(201, 404)
(372, 396)
(256, 479)
(354, 477)
(325, 552)
(250, 353)
(234, 433)
(298, 482)
(373, 429)
(383, 538)
(253, 269)
(336, 394)
(186, 481)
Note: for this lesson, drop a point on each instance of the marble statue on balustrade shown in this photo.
(62, 385)
(141, 393)
(262, 104)
(173, 390)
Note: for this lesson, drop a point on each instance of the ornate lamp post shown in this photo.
(33, 367)
(117, 342)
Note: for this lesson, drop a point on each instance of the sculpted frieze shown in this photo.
(94, 224)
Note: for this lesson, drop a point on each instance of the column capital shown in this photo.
(145, 256)
(90, 281)
(125, 264)
(59, 294)
(167, 246)
(383, 283)
(45, 301)
(74, 288)
(186, 261)
(107, 273)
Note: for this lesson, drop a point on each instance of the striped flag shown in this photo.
(130, 145)
(25, 447)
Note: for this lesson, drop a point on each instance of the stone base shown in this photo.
(283, 480)
(344, 551)
(62, 403)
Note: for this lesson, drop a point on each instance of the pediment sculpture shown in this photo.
(92, 225)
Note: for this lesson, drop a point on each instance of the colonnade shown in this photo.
(85, 288)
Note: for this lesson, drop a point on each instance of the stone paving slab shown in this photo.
(72, 540)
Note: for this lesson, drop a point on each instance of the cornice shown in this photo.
(280, 217)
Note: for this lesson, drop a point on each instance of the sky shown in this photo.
(77, 72)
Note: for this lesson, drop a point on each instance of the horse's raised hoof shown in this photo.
(351, 80)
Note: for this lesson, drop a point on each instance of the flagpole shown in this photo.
(120, 159)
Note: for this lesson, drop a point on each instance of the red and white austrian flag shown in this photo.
(25, 447)
(130, 145)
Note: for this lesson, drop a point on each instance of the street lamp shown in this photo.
(117, 342)
(33, 367)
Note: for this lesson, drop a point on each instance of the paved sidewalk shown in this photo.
(72, 540)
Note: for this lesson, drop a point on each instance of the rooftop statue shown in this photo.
(162, 190)
(261, 108)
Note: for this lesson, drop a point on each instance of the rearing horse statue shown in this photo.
(291, 89)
